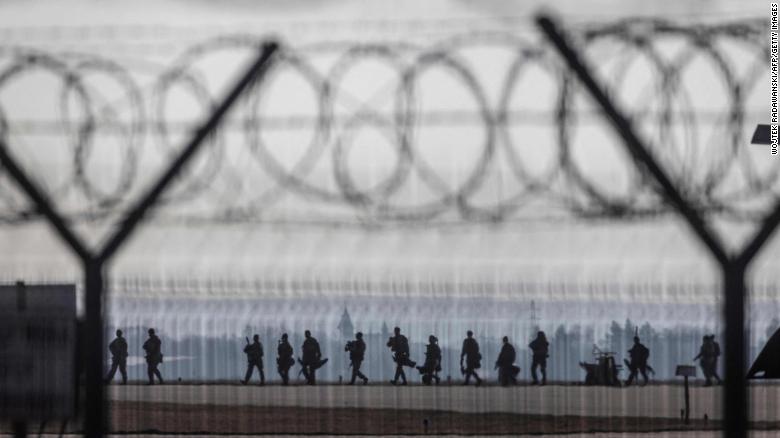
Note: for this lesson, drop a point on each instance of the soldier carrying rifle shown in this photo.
(432, 366)
(639, 355)
(154, 357)
(312, 358)
(118, 349)
(285, 360)
(470, 352)
(507, 371)
(708, 353)
(540, 349)
(357, 351)
(254, 357)
(399, 345)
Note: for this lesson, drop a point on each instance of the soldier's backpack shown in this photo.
(478, 362)
(402, 345)
(309, 349)
(644, 354)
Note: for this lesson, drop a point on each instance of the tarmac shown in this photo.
(703, 434)
(655, 401)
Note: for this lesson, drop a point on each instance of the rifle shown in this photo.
(247, 339)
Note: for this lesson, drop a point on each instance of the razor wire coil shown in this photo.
(246, 174)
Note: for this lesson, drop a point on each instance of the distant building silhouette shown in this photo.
(533, 321)
(345, 327)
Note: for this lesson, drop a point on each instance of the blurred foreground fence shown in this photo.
(734, 263)
(418, 186)
(94, 261)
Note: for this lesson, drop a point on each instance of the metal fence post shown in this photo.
(735, 395)
(95, 420)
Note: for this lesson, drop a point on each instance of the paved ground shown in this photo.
(707, 434)
(555, 410)
(656, 401)
(170, 417)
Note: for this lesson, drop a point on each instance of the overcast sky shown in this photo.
(188, 12)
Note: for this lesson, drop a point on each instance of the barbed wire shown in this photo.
(472, 128)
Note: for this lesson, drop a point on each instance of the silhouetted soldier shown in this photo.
(639, 355)
(154, 357)
(357, 351)
(118, 349)
(311, 358)
(399, 345)
(254, 358)
(284, 360)
(708, 353)
(540, 349)
(507, 371)
(432, 365)
(470, 351)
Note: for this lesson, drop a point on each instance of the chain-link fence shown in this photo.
(361, 136)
